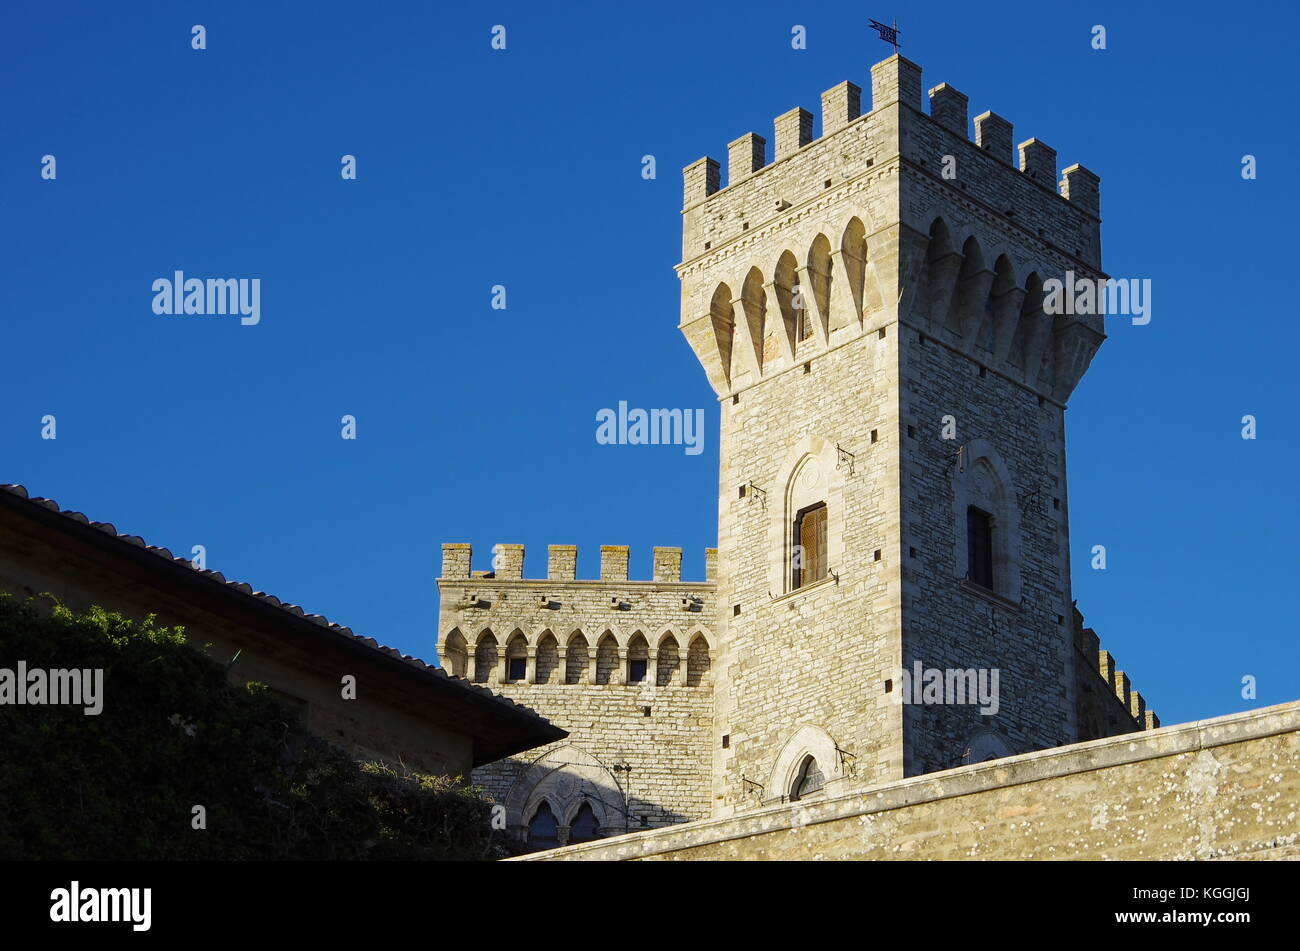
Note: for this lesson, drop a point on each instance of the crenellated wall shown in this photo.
(1107, 703)
(851, 219)
(624, 665)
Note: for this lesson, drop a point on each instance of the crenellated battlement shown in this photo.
(1098, 715)
(562, 564)
(894, 81)
(596, 630)
(891, 215)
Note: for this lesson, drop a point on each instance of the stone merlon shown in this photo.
(895, 82)
(562, 563)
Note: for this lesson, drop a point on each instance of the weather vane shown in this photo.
(887, 33)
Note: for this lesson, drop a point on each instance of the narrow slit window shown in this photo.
(979, 547)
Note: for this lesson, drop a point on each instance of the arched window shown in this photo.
(987, 522)
(807, 780)
(809, 561)
(805, 531)
(517, 657)
(985, 745)
(585, 828)
(638, 657)
(543, 831)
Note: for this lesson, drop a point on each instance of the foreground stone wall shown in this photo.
(1225, 788)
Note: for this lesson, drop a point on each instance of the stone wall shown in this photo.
(637, 751)
(916, 257)
(1225, 788)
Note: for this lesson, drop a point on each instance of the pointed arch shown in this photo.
(577, 658)
(849, 278)
(455, 653)
(699, 661)
(985, 744)
(996, 320)
(853, 245)
(669, 660)
(485, 657)
(785, 282)
(584, 825)
(1046, 377)
(808, 477)
(606, 658)
(817, 304)
(971, 297)
(753, 300)
(808, 779)
(548, 658)
(984, 495)
(543, 827)
(516, 657)
(1031, 329)
(809, 747)
(723, 322)
(942, 265)
(638, 659)
(566, 777)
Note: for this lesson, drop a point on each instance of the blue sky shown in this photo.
(479, 167)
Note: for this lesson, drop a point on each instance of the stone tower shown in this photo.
(869, 308)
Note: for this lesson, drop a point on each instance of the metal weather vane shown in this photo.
(887, 33)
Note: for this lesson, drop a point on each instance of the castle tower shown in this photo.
(869, 308)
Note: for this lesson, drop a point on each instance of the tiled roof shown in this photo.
(437, 674)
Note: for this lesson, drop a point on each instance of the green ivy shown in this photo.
(173, 733)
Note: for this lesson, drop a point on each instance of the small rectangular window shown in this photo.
(636, 671)
(979, 547)
(518, 668)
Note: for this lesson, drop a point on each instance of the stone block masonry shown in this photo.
(625, 665)
(1224, 788)
(868, 308)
